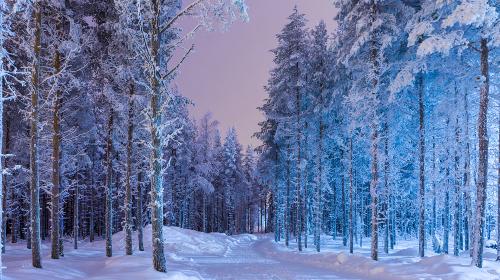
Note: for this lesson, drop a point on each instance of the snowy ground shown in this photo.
(194, 255)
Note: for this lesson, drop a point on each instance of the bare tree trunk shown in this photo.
(159, 262)
(287, 210)
(56, 174)
(92, 196)
(35, 180)
(319, 187)
(6, 149)
(457, 209)
(386, 188)
(2, 193)
(482, 170)
(375, 69)
(421, 192)
(498, 189)
(139, 222)
(15, 216)
(344, 216)
(374, 196)
(128, 186)
(351, 194)
(109, 187)
(299, 165)
(76, 216)
(446, 220)
(305, 208)
(467, 183)
(434, 213)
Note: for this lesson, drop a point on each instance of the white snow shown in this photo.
(194, 255)
(442, 44)
(421, 28)
(472, 12)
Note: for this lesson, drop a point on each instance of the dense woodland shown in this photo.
(386, 128)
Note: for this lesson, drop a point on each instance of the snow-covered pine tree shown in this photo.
(318, 86)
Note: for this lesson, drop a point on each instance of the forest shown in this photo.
(379, 136)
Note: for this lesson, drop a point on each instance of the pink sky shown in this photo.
(228, 71)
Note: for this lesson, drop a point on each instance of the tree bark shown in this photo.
(467, 179)
(56, 173)
(375, 73)
(482, 168)
(498, 189)
(421, 190)
(319, 187)
(159, 262)
(128, 186)
(386, 188)
(76, 215)
(109, 187)
(457, 197)
(6, 150)
(351, 201)
(35, 180)
(299, 164)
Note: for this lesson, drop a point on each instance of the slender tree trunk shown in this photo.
(467, 183)
(14, 201)
(276, 198)
(374, 196)
(3, 182)
(140, 235)
(128, 185)
(421, 191)
(319, 186)
(344, 214)
(457, 196)
(305, 207)
(434, 212)
(76, 216)
(109, 187)
(386, 188)
(498, 188)
(482, 169)
(287, 210)
(446, 220)
(299, 165)
(159, 262)
(375, 69)
(92, 195)
(351, 202)
(2, 209)
(35, 180)
(56, 174)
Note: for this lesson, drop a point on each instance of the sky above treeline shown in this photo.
(227, 73)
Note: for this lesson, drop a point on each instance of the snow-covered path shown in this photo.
(248, 259)
(194, 255)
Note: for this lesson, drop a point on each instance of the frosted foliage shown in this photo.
(404, 78)
(472, 12)
(494, 34)
(440, 44)
(421, 28)
(90, 21)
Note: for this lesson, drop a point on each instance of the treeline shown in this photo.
(95, 137)
(388, 128)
